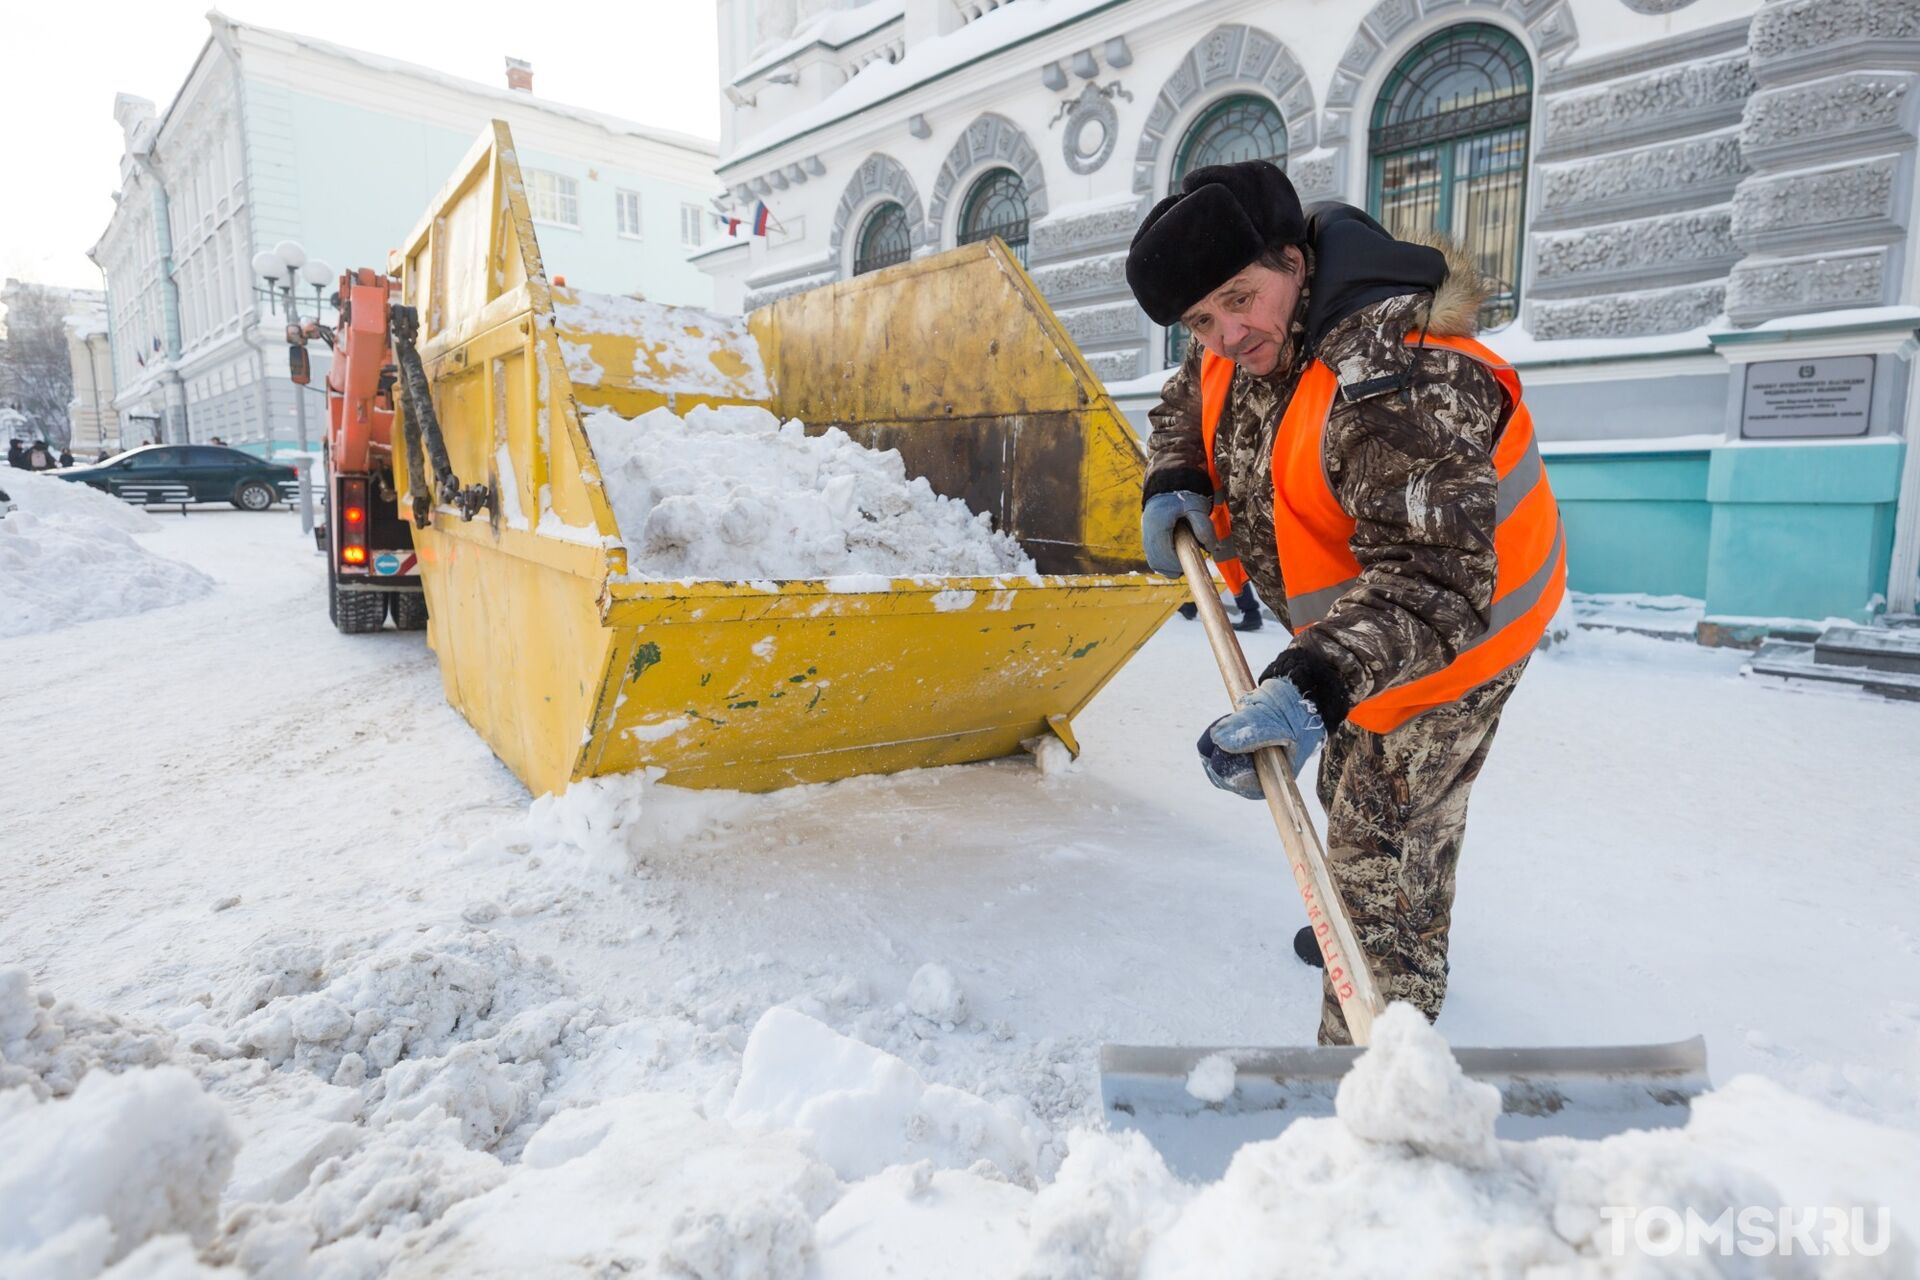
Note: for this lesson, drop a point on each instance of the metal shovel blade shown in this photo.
(1582, 1092)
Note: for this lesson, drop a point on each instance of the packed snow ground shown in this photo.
(305, 979)
(735, 493)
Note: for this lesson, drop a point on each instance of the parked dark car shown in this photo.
(190, 473)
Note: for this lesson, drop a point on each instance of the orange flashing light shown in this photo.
(354, 555)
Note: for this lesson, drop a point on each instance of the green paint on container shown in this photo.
(647, 655)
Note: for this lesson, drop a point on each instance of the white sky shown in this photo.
(654, 61)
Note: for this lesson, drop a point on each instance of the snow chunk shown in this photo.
(47, 1046)
(934, 993)
(1408, 1089)
(1212, 1078)
(644, 1184)
(1102, 1210)
(732, 493)
(865, 1109)
(89, 1179)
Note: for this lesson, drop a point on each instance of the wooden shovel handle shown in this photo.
(1347, 969)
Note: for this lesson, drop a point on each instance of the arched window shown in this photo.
(1243, 127)
(997, 206)
(885, 238)
(1449, 146)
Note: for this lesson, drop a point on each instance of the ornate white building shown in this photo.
(1698, 210)
(276, 136)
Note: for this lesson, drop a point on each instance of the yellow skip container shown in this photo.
(570, 670)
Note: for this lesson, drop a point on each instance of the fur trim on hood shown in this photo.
(1357, 263)
(1455, 310)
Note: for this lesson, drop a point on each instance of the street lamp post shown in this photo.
(280, 269)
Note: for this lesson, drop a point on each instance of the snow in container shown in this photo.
(572, 660)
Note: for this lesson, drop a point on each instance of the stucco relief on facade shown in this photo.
(1802, 29)
(1093, 125)
(1114, 366)
(1764, 287)
(1810, 119)
(1228, 57)
(1319, 177)
(1089, 325)
(992, 141)
(1671, 100)
(1813, 204)
(1628, 315)
(1675, 174)
(878, 175)
(1656, 6)
(1062, 237)
(1101, 275)
(1623, 254)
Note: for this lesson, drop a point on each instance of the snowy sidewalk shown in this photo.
(223, 817)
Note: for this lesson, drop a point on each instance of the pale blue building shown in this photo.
(276, 136)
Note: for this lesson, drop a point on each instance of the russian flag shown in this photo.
(760, 215)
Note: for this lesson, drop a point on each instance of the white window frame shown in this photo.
(693, 221)
(549, 194)
(638, 229)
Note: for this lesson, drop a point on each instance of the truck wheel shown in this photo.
(355, 613)
(254, 496)
(410, 611)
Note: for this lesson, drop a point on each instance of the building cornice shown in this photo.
(757, 69)
(935, 77)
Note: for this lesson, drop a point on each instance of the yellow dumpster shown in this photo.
(569, 669)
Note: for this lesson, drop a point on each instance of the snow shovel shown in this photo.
(1585, 1092)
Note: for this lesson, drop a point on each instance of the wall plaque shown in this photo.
(1787, 399)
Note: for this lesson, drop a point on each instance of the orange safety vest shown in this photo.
(1216, 378)
(1313, 534)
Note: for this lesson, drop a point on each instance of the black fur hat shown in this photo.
(1192, 242)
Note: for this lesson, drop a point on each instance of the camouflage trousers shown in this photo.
(1396, 808)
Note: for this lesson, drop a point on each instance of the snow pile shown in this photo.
(1407, 1091)
(459, 1025)
(732, 493)
(1408, 1179)
(47, 1046)
(68, 555)
(85, 1180)
(640, 1184)
(864, 1109)
(45, 496)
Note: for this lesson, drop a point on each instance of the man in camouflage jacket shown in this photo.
(1407, 454)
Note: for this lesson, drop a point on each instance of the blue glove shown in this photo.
(1276, 714)
(1161, 516)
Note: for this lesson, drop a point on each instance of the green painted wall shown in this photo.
(1635, 522)
(1757, 530)
(1801, 530)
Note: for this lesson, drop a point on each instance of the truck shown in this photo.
(372, 565)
